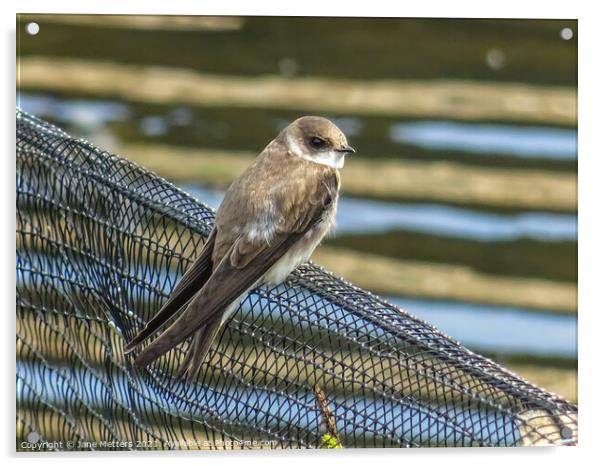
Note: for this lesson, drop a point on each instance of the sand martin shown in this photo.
(270, 221)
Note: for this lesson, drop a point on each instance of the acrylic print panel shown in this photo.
(441, 312)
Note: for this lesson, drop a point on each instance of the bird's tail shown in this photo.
(195, 356)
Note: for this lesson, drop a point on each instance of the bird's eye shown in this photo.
(317, 143)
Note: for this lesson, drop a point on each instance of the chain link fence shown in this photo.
(313, 363)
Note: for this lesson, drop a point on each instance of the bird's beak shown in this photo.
(347, 150)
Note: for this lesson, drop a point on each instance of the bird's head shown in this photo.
(316, 139)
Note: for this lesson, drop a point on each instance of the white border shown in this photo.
(590, 211)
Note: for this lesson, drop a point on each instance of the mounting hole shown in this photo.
(32, 28)
(566, 33)
(566, 432)
(33, 437)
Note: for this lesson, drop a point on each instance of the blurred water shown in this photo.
(498, 329)
(524, 51)
(368, 216)
(364, 215)
(480, 327)
(81, 113)
(267, 408)
(533, 142)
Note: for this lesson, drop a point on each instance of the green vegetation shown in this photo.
(328, 441)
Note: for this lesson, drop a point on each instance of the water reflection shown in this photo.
(532, 142)
(361, 416)
(481, 327)
(81, 113)
(397, 49)
(368, 216)
(249, 129)
(486, 328)
(498, 329)
(153, 125)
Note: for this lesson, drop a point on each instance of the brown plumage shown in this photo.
(270, 221)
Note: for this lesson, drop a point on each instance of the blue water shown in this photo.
(477, 326)
(80, 113)
(498, 329)
(268, 410)
(368, 216)
(528, 142)
(486, 139)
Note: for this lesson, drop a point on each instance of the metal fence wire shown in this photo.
(313, 363)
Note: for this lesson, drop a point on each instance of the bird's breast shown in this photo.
(301, 251)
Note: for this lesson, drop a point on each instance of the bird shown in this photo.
(270, 221)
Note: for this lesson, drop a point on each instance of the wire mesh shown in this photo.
(100, 244)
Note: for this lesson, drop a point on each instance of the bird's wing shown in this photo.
(245, 263)
(192, 281)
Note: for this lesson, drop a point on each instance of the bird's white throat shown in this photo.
(330, 158)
